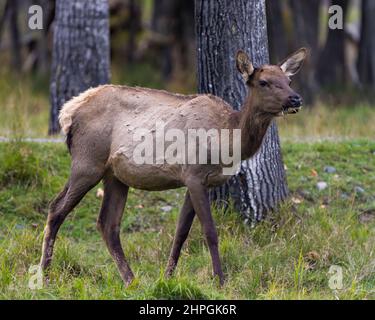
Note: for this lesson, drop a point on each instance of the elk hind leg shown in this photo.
(76, 188)
(109, 220)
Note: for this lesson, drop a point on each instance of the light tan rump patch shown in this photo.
(70, 107)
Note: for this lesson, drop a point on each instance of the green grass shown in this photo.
(288, 256)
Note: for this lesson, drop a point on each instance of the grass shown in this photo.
(288, 256)
(322, 122)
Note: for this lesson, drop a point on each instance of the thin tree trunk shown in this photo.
(173, 25)
(81, 48)
(134, 28)
(43, 52)
(306, 34)
(184, 36)
(15, 35)
(277, 38)
(366, 57)
(162, 25)
(4, 17)
(331, 66)
(223, 27)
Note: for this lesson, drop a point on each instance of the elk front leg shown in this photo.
(109, 220)
(183, 227)
(201, 204)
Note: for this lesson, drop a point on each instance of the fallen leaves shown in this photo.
(311, 258)
(313, 173)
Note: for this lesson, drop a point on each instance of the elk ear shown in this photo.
(244, 65)
(293, 63)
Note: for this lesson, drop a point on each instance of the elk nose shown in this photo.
(295, 101)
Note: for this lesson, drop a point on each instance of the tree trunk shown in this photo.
(277, 38)
(331, 66)
(184, 35)
(306, 34)
(4, 17)
(174, 35)
(366, 57)
(44, 57)
(15, 35)
(162, 25)
(81, 49)
(223, 27)
(135, 17)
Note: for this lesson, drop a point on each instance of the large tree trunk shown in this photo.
(81, 48)
(306, 33)
(331, 65)
(366, 57)
(223, 27)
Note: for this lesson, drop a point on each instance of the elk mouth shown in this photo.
(289, 110)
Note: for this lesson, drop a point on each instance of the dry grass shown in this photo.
(323, 121)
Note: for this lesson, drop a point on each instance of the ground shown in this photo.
(288, 256)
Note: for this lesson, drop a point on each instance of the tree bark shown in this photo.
(331, 66)
(306, 34)
(81, 51)
(366, 56)
(223, 27)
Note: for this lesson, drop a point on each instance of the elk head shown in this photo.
(270, 84)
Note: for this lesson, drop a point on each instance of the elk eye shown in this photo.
(263, 83)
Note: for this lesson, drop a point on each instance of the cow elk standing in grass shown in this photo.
(100, 124)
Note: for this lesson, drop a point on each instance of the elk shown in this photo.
(99, 124)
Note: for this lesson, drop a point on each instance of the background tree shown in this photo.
(305, 32)
(366, 57)
(10, 15)
(331, 66)
(223, 27)
(277, 35)
(80, 51)
(173, 32)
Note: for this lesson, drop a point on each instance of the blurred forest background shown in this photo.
(153, 45)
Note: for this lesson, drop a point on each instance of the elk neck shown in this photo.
(253, 123)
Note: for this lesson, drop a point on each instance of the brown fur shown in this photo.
(100, 124)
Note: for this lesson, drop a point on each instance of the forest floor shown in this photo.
(288, 256)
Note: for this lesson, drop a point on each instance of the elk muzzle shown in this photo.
(293, 105)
